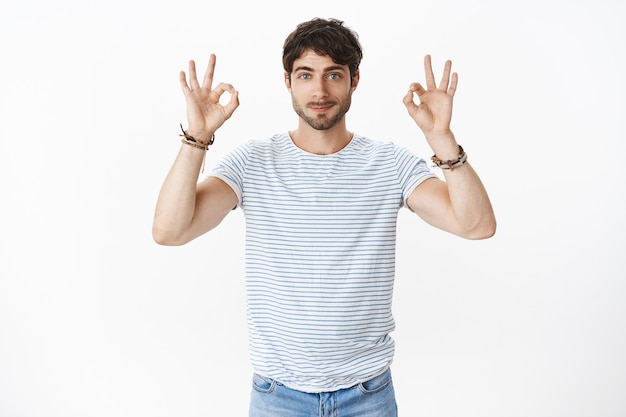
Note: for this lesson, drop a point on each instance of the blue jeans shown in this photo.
(374, 398)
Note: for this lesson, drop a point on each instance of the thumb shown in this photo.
(232, 104)
(408, 101)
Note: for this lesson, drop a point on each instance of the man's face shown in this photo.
(321, 90)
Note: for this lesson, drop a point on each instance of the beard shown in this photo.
(323, 121)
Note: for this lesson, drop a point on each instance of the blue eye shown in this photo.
(334, 76)
(304, 76)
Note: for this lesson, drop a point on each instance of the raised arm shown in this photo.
(460, 204)
(186, 209)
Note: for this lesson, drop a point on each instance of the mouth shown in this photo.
(320, 107)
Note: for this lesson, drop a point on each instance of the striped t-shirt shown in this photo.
(320, 256)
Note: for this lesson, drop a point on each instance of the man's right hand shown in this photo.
(205, 113)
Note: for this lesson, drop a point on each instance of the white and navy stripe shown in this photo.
(320, 256)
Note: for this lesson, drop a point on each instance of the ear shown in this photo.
(288, 81)
(355, 80)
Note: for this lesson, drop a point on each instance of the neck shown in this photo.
(321, 142)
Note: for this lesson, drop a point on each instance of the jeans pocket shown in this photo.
(376, 384)
(262, 384)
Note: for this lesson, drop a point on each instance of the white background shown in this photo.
(97, 320)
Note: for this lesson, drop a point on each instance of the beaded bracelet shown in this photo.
(191, 141)
(451, 164)
(194, 144)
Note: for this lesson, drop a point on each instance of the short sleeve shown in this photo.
(412, 171)
(231, 169)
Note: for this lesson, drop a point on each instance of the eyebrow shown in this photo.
(327, 69)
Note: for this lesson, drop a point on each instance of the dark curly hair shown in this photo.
(326, 37)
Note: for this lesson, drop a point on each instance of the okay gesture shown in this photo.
(434, 111)
(205, 113)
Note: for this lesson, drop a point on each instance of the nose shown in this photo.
(319, 87)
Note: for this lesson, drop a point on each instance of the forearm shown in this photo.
(469, 202)
(176, 202)
(469, 208)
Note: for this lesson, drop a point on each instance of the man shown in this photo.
(321, 205)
